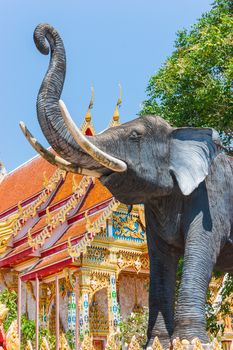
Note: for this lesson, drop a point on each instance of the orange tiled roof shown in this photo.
(51, 259)
(65, 190)
(24, 182)
(97, 195)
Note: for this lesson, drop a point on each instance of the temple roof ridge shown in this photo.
(116, 115)
(87, 127)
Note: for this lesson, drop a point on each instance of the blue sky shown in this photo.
(106, 42)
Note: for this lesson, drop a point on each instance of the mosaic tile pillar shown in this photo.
(113, 308)
(71, 311)
(84, 314)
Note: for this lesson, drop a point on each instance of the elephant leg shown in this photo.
(199, 259)
(163, 265)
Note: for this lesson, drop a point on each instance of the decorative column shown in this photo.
(84, 290)
(57, 311)
(84, 314)
(37, 313)
(19, 307)
(113, 310)
(71, 311)
(77, 314)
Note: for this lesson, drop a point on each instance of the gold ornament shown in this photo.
(112, 343)
(156, 344)
(196, 344)
(134, 345)
(31, 209)
(44, 344)
(128, 226)
(61, 216)
(3, 312)
(29, 345)
(12, 339)
(87, 343)
(63, 343)
(216, 345)
(116, 115)
(177, 345)
(95, 227)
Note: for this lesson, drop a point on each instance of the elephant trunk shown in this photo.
(80, 151)
(48, 110)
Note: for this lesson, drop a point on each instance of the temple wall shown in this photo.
(132, 287)
(101, 297)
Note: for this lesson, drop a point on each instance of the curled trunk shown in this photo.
(48, 111)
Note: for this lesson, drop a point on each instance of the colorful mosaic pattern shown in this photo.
(71, 311)
(113, 304)
(84, 316)
(127, 226)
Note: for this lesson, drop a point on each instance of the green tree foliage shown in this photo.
(9, 298)
(194, 87)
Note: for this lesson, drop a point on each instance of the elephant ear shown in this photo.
(191, 153)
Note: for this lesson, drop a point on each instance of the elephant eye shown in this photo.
(134, 135)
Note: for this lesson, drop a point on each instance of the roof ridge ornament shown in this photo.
(61, 216)
(116, 115)
(87, 127)
(81, 247)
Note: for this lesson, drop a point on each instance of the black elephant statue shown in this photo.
(180, 176)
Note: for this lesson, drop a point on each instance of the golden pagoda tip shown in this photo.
(119, 101)
(88, 114)
(116, 114)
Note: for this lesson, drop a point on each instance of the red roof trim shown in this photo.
(60, 247)
(23, 204)
(47, 270)
(16, 259)
(92, 210)
(13, 258)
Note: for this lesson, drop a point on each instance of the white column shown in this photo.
(84, 314)
(37, 313)
(19, 308)
(77, 314)
(112, 303)
(57, 311)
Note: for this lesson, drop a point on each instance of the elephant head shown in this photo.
(137, 160)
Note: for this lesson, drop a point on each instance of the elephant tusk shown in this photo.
(54, 159)
(103, 158)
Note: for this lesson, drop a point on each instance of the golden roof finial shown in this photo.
(116, 115)
(87, 128)
(88, 114)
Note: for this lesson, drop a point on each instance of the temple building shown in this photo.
(75, 255)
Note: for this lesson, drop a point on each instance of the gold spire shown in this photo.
(116, 115)
(88, 128)
(88, 114)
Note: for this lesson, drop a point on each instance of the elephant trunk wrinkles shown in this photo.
(48, 110)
